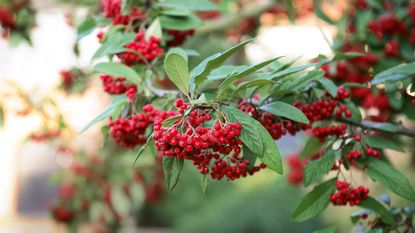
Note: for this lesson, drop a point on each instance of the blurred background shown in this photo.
(32, 164)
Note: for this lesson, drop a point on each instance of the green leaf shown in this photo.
(191, 5)
(317, 169)
(171, 120)
(319, 13)
(356, 114)
(238, 75)
(172, 168)
(372, 204)
(391, 178)
(388, 127)
(286, 110)
(142, 148)
(118, 70)
(114, 44)
(204, 184)
(381, 142)
(312, 146)
(154, 30)
(394, 74)
(105, 114)
(330, 229)
(201, 71)
(315, 202)
(362, 20)
(225, 71)
(250, 156)
(180, 23)
(256, 138)
(329, 86)
(86, 27)
(177, 69)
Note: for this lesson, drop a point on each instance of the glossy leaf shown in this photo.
(372, 204)
(312, 146)
(286, 110)
(180, 23)
(172, 168)
(114, 44)
(315, 202)
(118, 70)
(381, 142)
(256, 138)
(391, 178)
(154, 30)
(317, 169)
(394, 74)
(201, 71)
(176, 66)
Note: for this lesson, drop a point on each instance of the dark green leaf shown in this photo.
(391, 178)
(180, 23)
(329, 86)
(250, 156)
(201, 72)
(256, 138)
(286, 110)
(118, 70)
(177, 69)
(114, 44)
(238, 75)
(315, 202)
(86, 27)
(372, 204)
(317, 169)
(312, 146)
(104, 115)
(170, 121)
(394, 74)
(142, 148)
(381, 142)
(172, 168)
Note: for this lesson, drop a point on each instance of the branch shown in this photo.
(231, 20)
(400, 129)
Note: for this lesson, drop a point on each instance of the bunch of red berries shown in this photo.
(348, 195)
(116, 86)
(112, 9)
(144, 50)
(296, 174)
(68, 79)
(178, 37)
(372, 152)
(323, 132)
(354, 154)
(130, 132)
(391, 49)
(62, 214)
(6, 18)
(189, 138)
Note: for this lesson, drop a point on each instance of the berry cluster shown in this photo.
(316, 111)
(296, 174)
(178, 37)
(189, 139)
(372, 152)
(130, 132)
(6, 18)
(323, 132)
(116, 86)
(348, 195)
(143, 50)
(354, 154)
(112, 9)
(68, 79)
